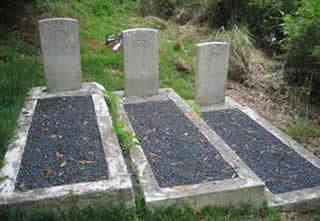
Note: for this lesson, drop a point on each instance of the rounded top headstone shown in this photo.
(204, 44)
(60, 49)
(140, 29)
(58, 19)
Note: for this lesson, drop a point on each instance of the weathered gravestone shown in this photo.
(61, 53)
(212, 69)
(141, 61)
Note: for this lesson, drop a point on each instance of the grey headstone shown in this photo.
(60, 49)
(211, 74)
(141, 61)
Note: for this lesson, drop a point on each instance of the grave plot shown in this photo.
(180, 160)
(63, 145)
(291, 173)
(65, 153)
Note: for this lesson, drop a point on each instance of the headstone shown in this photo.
(212, 70)
(60, 49)
(141, 61)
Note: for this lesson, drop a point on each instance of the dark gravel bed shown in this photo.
(278, 165)
(63, 145)
(176, 150)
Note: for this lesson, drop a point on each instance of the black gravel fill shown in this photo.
(63, 145)
(176, 150)
(278, 165)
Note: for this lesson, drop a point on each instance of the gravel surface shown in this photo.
(63, 145)
(176, 150)
(279, 166)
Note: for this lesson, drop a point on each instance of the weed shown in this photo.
(126, 138)
(241, 49)
(195, 107)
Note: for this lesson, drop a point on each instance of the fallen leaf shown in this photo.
(153, 156)
(48, 172)
(21, 187)
(59, 155)
(53, 136)
(63, 164)
(84, 138)
(85, 162)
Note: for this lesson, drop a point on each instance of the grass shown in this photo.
(141, 213)
(21, 68)
(302, 129)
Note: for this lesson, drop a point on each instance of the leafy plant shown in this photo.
(126, 138)
(303, 43)
(195, 107)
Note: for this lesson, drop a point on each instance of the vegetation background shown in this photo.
(274, 63)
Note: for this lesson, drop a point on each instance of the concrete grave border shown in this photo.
(246, 188)
(116, 189)
(300, 200)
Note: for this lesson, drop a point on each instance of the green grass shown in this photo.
(302, 129)
(22, 67)
(20, 70)
(173, 213)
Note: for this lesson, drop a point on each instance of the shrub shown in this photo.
(241, 46)
(303, 43)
